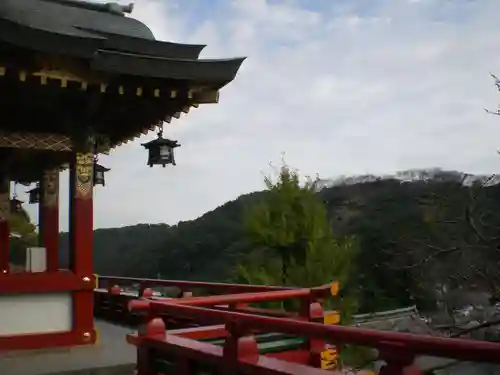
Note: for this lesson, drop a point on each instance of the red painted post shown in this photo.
(81, 239)
(153, 328)
(4, 246)
(49, 217)
(133, 317)
(114, 313)
(4, 225)
(239, 345)
(313, 312)
(115, 289)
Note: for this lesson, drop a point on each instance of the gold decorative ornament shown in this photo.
(84, 171)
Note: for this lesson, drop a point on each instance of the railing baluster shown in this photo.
(313, 312)
(112, 298)
(154, 328)
(240, 345)
(146, 293)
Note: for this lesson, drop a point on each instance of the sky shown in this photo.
(339, 87)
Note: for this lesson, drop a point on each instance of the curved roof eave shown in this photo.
(218, 70)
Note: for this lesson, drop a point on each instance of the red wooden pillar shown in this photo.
(4, 225)
(81, 239)
(49, 217)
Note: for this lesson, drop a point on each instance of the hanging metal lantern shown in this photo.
(34, 195)
(99, 172)
(16, 205)
(161, 151)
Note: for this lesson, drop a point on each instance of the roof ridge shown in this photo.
(109, 7)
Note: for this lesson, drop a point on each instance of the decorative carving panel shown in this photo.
(38, 141)
(46, 141)
(84, 174)
(50, 188)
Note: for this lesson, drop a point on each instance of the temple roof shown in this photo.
(71, 18)
(86, 66)
(110, 40)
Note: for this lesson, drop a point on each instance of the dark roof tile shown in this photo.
(55, 17)
(110, 41)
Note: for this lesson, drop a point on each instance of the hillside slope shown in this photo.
(396, 223)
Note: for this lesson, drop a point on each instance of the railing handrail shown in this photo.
(470, 350)
(276, 295)
(189, 285)
(220, 302)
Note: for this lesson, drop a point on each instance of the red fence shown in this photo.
(230, 337)
(111, 300)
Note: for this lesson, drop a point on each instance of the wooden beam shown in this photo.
(207, 97)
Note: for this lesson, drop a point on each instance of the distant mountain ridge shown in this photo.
(412, 175)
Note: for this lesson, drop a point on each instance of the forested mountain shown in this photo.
(202, 249)
(414, 236)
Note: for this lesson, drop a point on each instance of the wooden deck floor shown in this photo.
(111, 356)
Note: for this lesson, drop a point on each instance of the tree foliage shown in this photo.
(293, 233)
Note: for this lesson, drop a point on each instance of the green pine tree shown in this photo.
(297, 245)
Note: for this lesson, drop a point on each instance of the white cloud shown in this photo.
(343, 87)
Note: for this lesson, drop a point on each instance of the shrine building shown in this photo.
(79, 79)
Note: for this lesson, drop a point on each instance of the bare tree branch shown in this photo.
(435, 254)
(466, 331)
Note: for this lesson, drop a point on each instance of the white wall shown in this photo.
(36, 259)
(35, 313)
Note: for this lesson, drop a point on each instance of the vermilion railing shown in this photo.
(186, 286)
(111, 302)
(229, 337)
(240, 351)
(276, 353)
